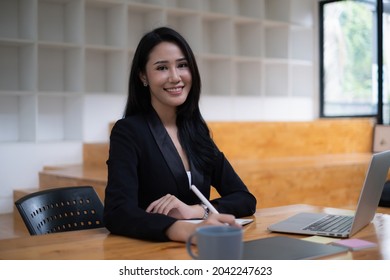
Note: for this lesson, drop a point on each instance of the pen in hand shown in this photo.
(210, 206)
(203, 199)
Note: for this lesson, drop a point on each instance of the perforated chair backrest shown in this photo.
(61, 209)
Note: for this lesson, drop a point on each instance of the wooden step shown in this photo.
(18, 223)
(260, 140)
(329, 180)
(9, 230)
(74, 175)
(95, 155)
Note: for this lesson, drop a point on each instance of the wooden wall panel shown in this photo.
(256, 140)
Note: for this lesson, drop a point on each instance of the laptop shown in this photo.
(343, 226)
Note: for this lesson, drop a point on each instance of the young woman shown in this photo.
(162, 146)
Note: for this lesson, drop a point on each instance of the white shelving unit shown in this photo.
(54, 52)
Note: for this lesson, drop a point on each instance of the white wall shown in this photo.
(99, 111)
(257, 108)
(21, 162)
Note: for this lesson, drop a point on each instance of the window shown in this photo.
(354, 57)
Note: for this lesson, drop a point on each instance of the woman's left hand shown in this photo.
(170, 205)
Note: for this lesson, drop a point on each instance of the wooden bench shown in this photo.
(321, 162)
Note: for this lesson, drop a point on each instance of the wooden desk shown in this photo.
(99, 244)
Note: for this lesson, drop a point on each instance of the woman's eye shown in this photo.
(183, 65)
(161, 68)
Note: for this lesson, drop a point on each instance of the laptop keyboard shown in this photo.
(331, 223)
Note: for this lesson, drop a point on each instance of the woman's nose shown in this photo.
(174, 76)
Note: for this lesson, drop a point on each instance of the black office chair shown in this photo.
(61, 209)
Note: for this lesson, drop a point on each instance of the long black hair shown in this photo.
(194, 135)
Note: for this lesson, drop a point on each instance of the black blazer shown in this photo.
(144, 165)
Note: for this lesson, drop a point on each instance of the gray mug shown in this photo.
(216, 243)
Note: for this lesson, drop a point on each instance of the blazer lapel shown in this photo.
(169, 152)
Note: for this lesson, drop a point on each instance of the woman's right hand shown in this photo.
(181, 230)
(220, 219)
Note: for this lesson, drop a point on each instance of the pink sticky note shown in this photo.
(355, 244)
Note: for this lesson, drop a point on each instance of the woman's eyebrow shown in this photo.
(166, 61)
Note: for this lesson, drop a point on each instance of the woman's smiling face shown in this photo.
(168, 76)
